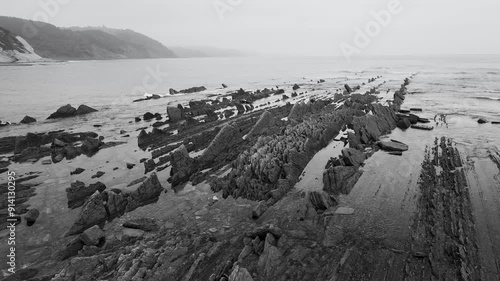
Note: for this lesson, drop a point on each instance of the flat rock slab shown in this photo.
(422, 127)
(344, 211)
(393, 146)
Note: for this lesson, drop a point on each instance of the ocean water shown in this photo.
(460, 84)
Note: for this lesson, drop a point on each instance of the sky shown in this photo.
(289, 27)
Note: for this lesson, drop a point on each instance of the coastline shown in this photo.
(206, 238)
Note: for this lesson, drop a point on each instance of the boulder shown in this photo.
(63, 112)
(193, 90)
(92, 236)
(224, 85)
(31, 216)
(83, 109)
(91, 144)
(92, 213)
(148, 116)
(295, 87)
(27, 120)
(98, 174)
(392, 146)
(404, 123)
(172, 91)
(482, 121)
(77, 171)
(174, 114)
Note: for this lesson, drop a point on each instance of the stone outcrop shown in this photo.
(108, 205)
(27, 120)
(182, 165)
(340, 179)
(92, 213)
(264, 123)
(78, 193)
(69, 111)
(228, 136)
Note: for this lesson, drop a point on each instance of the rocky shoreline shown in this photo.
(262, 228)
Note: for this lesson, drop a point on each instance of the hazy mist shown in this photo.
(288, 27)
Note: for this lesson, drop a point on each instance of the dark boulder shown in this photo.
(98, 174)
(63, 112)
(224, 86)
(91, 144)
(482, 121)
(77, 171)
(83, 109)
(27, 120)
(404, 123)
(193, 90)
(148, 116)
(296, 87)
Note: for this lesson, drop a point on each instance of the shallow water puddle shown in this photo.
(312, 176)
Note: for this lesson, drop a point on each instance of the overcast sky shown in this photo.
(298, 27)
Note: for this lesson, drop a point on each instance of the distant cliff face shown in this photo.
(53, 42)
(15, 49)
